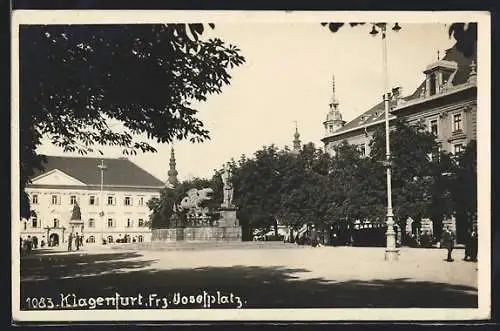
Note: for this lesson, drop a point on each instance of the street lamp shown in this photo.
(102, 167)
(391, 252)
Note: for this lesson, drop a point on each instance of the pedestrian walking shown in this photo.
(473, 249)
(449, 242)
(468, 246)
(70, 242)
(77, 242)
(314, 237)
(35, 242)
(29, 244)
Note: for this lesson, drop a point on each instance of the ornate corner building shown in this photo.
(445, 102)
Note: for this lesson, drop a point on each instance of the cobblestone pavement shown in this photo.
(334, 277)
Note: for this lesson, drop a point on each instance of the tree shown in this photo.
(75, 78)
(305, 187)
(464, 188)
(358, 183)
(413, 172)
(257, 183)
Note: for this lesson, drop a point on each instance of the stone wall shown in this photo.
(198, 234)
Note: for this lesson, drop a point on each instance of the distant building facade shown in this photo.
(117, 212)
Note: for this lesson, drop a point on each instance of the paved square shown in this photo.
(273, 277)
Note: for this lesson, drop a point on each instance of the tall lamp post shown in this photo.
(391, 251)
(102, 168)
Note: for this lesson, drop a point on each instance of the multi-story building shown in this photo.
(112, 196)
(445, 103)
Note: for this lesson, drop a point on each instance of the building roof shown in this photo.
(376, 113)
(119, 172)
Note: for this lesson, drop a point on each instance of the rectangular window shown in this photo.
(140, 222)
(458, 148)
(34, 199)
(141, 201)
(111, 200)
(129, 223)
(361, 149)
(55, 200)
(92, 200)
(434, 127)
(56, 223)
(34, 222)
(457, 122)
(72, 200)
(110, 223)
(433, 85)
(91, 223)
(127, 201)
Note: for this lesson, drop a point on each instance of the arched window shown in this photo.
(140, 239)
(91, 239)
(110, 239)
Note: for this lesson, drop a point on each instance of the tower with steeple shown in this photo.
(333, 120)
(172, 172)
(296, 140)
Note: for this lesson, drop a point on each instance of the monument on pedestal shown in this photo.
(194, 219)
(227, 209)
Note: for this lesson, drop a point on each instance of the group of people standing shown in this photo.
(77, 239)
(471, 244)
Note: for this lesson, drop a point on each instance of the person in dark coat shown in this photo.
(314, 237)
(449, 242)
(77, 242)
(473, 244)
(70, 242)
(468, 245)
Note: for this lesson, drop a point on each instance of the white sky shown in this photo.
(287, 78)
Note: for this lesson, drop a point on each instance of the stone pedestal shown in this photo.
(228, 218)
(228, 229)
(232, 233)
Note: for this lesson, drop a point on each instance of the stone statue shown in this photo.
(194, 198)
(227, 186)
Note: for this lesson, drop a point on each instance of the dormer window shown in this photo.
(438, 75)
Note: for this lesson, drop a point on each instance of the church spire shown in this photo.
(172, 173)
(296, 140)
(333, 120)
(333, 101)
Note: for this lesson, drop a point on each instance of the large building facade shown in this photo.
(445, 102)
(111, 195)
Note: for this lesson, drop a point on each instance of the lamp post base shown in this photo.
(391, 254)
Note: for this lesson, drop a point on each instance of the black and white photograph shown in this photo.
(195, 165)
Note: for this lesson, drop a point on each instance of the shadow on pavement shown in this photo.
(261, 287)
(43, 265)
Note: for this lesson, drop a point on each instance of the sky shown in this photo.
(287, 77)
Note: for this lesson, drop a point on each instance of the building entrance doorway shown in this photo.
(54, 240)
